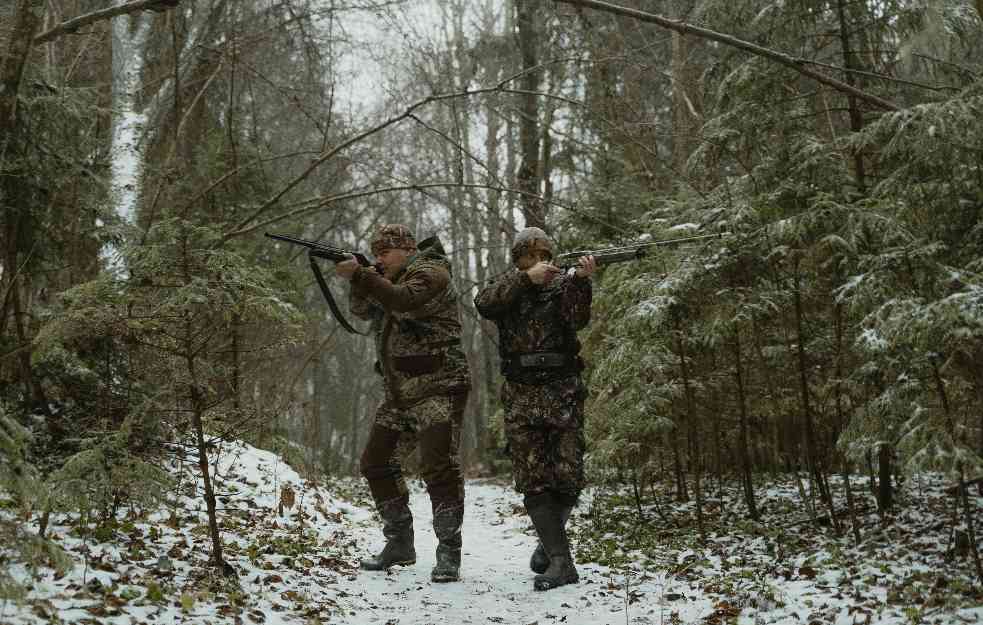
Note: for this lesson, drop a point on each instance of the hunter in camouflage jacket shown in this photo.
(544, 406)
(416, 321)
(417, 326)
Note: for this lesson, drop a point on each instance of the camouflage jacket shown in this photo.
(417, 326)
(535, 319)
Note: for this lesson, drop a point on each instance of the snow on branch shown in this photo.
(75, 23)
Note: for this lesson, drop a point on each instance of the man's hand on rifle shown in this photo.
(587, 267)
(542, 272)
(346, 268)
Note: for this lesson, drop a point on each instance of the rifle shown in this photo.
(611, 255)
(320, 250)
(334, 254)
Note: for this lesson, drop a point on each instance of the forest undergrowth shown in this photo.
(912, 562)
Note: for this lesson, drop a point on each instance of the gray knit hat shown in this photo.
(529, 239)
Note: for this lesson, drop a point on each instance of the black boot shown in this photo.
(539, 561)
(447, 522)
(397, 527)
(547, 516)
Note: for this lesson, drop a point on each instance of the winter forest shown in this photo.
(785, 421)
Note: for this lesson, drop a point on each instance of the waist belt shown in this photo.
(539, 360)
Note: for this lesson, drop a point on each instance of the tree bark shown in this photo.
(14, 206)
(885, 487)
(528, 175)
(26, 20)
(856, 116)
(687, 104)
(963, 491)
(682, 492)
(812, 459)
(691, 419)
(746, 480)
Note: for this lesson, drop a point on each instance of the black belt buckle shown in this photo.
(543, 360)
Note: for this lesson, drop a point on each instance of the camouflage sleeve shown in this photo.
(576, 300)
(359, 303)
(494, 300)
(419, 286)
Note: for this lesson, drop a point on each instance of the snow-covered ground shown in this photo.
(298, 564)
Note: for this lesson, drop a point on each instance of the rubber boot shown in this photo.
(397, 527)
(547, 516)
(447, 522)
(539, 561)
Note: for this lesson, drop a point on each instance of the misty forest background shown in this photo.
(836, 330)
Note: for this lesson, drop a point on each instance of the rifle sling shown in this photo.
(327, 296)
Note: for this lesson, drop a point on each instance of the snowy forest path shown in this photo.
(496, 583)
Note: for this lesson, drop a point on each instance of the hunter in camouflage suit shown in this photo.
(413, 307)
(538, 310)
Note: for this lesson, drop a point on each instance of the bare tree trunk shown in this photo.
(746, 480)
(354, 450)
(25, 20)
(963, 494)
(812, 460)
(197, 410)
(686, 103)
(32, 385)
(529, 21)
(885, 487)
(693, 435)
(682, 492)
(854, 524)
(856, 116)
(27, 17)
(837, 311)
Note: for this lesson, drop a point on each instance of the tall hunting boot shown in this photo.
(546, 514)
(447, 522)
(397, 527)
(539, 561)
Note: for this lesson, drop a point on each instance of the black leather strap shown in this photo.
(327, 296)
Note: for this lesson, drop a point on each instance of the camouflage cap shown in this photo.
(392, 236)
(530, 239)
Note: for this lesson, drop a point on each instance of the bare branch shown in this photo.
(75, 23)
(799, 65)
(319, 203)
(240, 228)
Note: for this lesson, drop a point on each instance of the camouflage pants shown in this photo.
(544, 426)
(435, 425)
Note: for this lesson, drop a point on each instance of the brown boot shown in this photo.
(397, 527)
